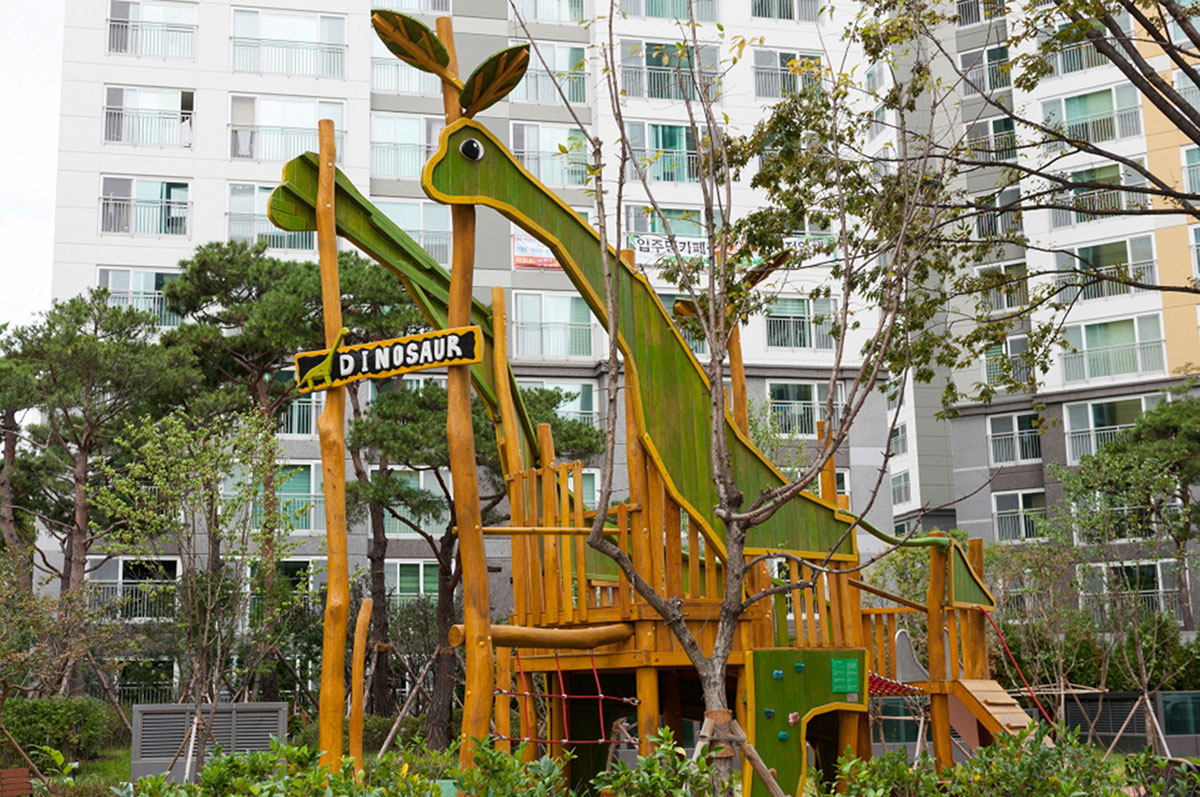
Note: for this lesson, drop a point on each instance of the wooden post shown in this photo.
(737, 378)
(647, 708)
(331, 427)
(502, 713)
(939, 701)
(356, 682)
(477, 700)
(976, 655)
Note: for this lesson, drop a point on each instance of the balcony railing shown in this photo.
(257, 228)
(971, 12)
(144, 216)
(1145, 272)
(1106, 126)
(551, 10)
(776, 82)
(266, 143)
(142, 126)
(985, 78)
(666, 165)
(1088, 204)
(666, 83)
(998, 147)
(1189, 92)
(1024, 446)
(432, 6)
(163, 39)
(803, 10)
(1105, 361)
(555, 168)
(538, 85)
(800, 417)
(1018, 369)
(133, 600)
(991, 223)
(590, 417)
(799, 332)
(1145, 603)
(391, 76)
(1078, 57)
(1018, 524)
(438, 243)
(399, 160)
(305, 510)
(133, 694)
(704, 10)
(1088, 441)
(1009, 296)
(898, 444)
(553, 339)
(152, 302)
(1192, 172)
(901, 492)
(279, 57)
(300, 417)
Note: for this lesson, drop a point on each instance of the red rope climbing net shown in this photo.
(1004, 643)
(529, 734)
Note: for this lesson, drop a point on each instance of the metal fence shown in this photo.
(133, 600)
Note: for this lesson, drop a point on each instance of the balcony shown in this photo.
(399, 160)
(1087, 204)
(799, 418)
(986, 78)
(306, 511)
(1107, 361)
(705, 10)
(1018, 524)
(1017, 369)
(555, 168)
(268, 143)
(1009, 449)
(1189, 92)
(257, 228)
(1105, 286)
(1099, 127)
(1088, 441)
(994, 148)
(141, 126)
(1191, 172)
(279, 57)
(667, 83)
(557, 339)
(777, 82)
(993, 223)
(972, 12)
(162, 39)
(803, 10)
(551, 10)
(300, 417)
(152, 302)
(133, 600)
(901, 491)
(431, 6)
(144, 217)
(538, 85)
(666, 165)
(438, 243)
(392, 76)
(1145, 604)
(1078, 57)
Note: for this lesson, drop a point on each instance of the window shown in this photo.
(1114, 348)
(427, 222)
(1015, 438)
(136, 206)
(805, 10)
(549, 325)
(1188, 91)
(985, 71)
(797, 406)
(993, 139)
(1007, 361)
(999, 213)
(299, 418)
(898, 440)
(410, 579)
(555, 154)
(248, 220)
(129, 588)
(139, 289)
(390, 75)
(1102, 115)
(400, 145)
(682, 221)
(972, 12)
(878, 122)
(841, 486)
(894, 390)
(660, 70)
(801, 324)
(426, 481)
(1017, 515)
(1090, 425)
(566, 65)
(529, 252)
(287, 43)
(163, 29)
(667, 153)
(1089, 203)
(1129, 590)
(1008, 287)
(580, 404)
(1082, 54)
(702, 10)
(1195, 233)
(155, 117)
(279, 128)
(901, 489)
(694, 337)
(551, 10)
(774, 76)
(299, 498)
(1128, 259)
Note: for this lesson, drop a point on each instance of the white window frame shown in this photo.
(1148, 402)
(1021, 513)
(902, 482)
(1017, 446)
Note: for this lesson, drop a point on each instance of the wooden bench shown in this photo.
(15, 783)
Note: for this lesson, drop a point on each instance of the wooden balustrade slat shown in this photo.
(585, 594)
(566, 602)
(693, 560)
(623, 586)
(821, 581)
(550, 547)
(810, 619)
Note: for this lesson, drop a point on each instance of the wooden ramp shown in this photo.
(988, 703)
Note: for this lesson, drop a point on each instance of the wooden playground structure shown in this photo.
(581, 643)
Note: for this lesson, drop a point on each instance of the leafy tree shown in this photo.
(17, 480)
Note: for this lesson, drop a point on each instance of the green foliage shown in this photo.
(666, 772)
(499, 774)
(73, 727)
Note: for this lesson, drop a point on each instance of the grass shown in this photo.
(107, 769)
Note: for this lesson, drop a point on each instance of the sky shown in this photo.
(31, 68)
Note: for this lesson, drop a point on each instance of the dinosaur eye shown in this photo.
(471, 149)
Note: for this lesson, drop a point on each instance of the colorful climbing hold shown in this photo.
(799, 666)
(783, 736)
(769, 712)
(777, 675)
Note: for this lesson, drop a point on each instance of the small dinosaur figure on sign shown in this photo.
(324, 369)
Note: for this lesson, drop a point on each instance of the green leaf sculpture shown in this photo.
(413, 43)
(494, 78)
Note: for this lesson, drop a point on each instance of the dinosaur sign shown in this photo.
(319, 370)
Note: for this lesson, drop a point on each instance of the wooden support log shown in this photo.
(516, 636)
(939, 703)
(356, 683)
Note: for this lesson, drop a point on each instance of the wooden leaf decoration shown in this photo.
(494, 78)
(413, 42)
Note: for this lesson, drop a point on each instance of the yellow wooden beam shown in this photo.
(517, 636)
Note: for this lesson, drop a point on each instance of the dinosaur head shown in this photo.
(471, 166)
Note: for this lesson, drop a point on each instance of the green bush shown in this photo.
(304, 733)
(78, 726)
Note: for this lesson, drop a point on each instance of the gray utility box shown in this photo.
(159, 730)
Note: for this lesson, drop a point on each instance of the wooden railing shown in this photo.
(824, 616)
(879, 635)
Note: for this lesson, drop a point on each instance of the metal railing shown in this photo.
(775, 82)
(1088, 441)
(133, 600)
(141, 126)
(551, 10)
(1087, 204)
(1018, 369)
(144, 216)
(392, 76)
(665, 165)
(399, 160)
(164, 39)
(704, 10)
(590, 417)
(1109, 285)
(538, 85)
(1106, 126)
(306, 511)
(971, 12)
(281, 57)
(553, 339)
(1009, 296)
(1078, 57)
(901, 492)
(1017, 524)
(987, 77)
(1023, 446)
(1189, 92)
(555, 168)
(800, 417)
(1126, 358)
(300, 417)
(438, 243)
(898, 444)
(667, 83)
(991, 223)
(414, 5)
(803, 10)
(258, 228)
(1145, 603)
(998, 147)
(134, 694)
(152, 302)
(1191, 173)
(268, 143)
(788, 332)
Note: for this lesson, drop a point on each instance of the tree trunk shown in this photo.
(437, 719)
(8, 521)
(1181, 580)
(270, 514)
(381, 693)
